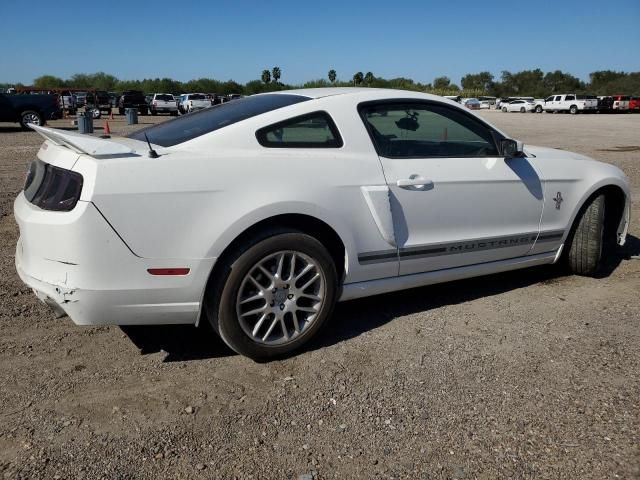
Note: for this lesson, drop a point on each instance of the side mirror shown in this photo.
(511, 148)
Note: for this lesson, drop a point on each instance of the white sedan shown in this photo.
(259, 214)
(521, 106)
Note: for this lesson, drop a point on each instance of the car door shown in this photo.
(455, 201)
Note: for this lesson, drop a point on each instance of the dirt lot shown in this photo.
(530, 374)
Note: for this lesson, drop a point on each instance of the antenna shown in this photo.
(152, 152)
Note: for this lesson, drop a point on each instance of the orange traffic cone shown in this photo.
(107, 130)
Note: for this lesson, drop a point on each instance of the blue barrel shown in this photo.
(132, 116)
(85, 122)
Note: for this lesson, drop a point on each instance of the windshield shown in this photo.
(197, 96)
(205, 121)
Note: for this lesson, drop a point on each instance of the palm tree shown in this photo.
(266, 76)
(276, 73)
(369, 78)
(332, 75)
(357, 78)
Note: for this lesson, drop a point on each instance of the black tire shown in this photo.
(504, 109)
(539, 109)
(573, 109)
(153, 113)
(587, 238)
(174, 114)
(31, 116)
(121, 111)
(143, 111)
(222, 292)
(523, 110)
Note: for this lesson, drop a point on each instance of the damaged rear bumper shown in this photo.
(76, 263)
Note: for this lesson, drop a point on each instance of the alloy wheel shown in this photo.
(280, 297)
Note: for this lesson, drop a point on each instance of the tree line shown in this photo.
(535, 83)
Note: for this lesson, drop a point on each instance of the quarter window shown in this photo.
(569, 97)
(313, 130)
(415, 130)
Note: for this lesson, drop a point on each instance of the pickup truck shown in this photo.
(570, 102)
(191, 102)
(163, 103)
(621, 103)
(100, 101)
(30, 108)
(132, 99)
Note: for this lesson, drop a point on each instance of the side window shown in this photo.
(405, 130)
(549, 99)
(570, 97)
(558, 98)
(313, 130)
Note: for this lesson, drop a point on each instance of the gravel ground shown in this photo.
(529, 374)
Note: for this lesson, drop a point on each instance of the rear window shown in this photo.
(197, 97)
(196, 124)
(166, 98)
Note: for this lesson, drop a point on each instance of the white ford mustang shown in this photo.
(259, 214)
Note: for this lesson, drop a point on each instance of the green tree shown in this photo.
(441, 83)
(477, 81)
(266, 76)
(332, 75)
(358, 78)
(48, 81)
(558, 81)
(369, 78)
(276, 73)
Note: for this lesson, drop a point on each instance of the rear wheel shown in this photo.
(504, 109)
(573, 109)
(523, 110)
(587, 239)
(30, 117)
(273, 294)
(121, 111)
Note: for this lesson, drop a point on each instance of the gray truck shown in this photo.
(29, 108)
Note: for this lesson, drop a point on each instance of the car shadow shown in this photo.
(179, 342)
(356, 317)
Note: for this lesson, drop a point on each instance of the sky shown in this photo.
(237, 40)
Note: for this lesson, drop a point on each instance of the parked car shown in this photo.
(485, 104)
(190, 102)
(163, 103)
(99, 101)
(259, 214)
(29, 109)
(634, 104)
(605, 104)
(471, 103)
(132, 99)
(67, 102)
(571, 103)
(80, 99)
(521, 106)
(491, 100)
(620, 103)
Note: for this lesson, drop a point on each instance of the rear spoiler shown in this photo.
(93, 146)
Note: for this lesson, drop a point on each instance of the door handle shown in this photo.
(415, 181)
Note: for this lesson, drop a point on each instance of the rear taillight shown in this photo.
(52, 188)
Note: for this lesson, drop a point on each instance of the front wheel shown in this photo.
(30, 117)
(273, 294)
(504, 109)
(587, 238)
(539, 109)
(523, 110)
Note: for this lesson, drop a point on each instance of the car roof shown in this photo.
(366, 92)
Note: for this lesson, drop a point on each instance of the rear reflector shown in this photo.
(168, 271)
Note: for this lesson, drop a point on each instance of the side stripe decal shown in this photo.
(454, 248)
